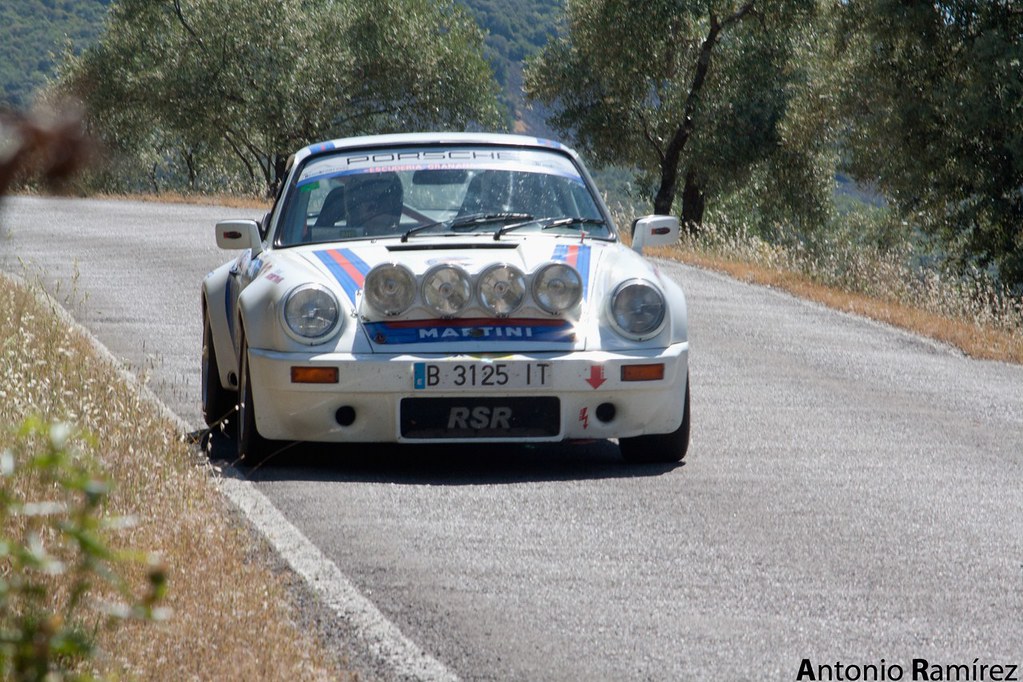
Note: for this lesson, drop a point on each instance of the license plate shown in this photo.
(481, 375)
(475, 417)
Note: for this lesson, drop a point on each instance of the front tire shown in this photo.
(218, 403)
(661, 448)
(252, 447)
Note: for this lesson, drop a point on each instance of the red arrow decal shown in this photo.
(596, 376)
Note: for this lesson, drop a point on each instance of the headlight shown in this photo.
(557, 287)
(501, 289)
(446, 289)
(637, 308)
(311, 312)
(390, 288)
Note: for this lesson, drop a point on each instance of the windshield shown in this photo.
(428, 191)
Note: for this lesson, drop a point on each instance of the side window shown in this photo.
(583, 203)
(295, 219)
(264, 224)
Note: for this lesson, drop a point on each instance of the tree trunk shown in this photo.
(665, 196)
(280, 173)
(672, 155)
(190, 165)
(693, 203)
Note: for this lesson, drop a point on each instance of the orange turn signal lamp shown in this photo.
(654, 372)
(314, 375)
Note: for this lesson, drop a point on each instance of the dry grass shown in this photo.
(231, 201)
(987, 342)
(970, 315)
(197, 199)
(231, 617)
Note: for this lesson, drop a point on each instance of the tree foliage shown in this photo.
(933, 104)
(694, 94)
(729, 106)
(33, 31)
(258, 78)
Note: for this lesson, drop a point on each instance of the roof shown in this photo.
(440, 138)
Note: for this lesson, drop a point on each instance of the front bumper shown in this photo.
(371, 388)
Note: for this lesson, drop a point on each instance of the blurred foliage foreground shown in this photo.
(61, 580)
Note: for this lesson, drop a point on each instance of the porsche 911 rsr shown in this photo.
(431, 288)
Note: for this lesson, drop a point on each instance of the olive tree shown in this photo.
(933, 100)
(693, 93)
(254, 79)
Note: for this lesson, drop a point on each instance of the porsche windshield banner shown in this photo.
(414, 159)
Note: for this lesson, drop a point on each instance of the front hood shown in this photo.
(349, 265)
(419, 329)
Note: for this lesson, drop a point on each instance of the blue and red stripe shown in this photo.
(348, 269)
(578, 256)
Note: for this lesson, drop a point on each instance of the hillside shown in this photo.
(515, 30)
(32, 32)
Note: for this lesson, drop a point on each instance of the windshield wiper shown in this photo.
(474, 219)
(549, 223)
(577, 220)
(471, 221)
(419, 228)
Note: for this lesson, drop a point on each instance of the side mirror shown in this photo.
(654, 230)
(239, 234)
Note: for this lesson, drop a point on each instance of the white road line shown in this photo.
(382, 637)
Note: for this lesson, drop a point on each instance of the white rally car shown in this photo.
(431, 288)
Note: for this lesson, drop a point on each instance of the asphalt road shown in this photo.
(853, 495)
